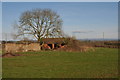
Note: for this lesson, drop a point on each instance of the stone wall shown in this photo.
(14, 47)
(24, 47)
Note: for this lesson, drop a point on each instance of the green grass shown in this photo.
(101, 63)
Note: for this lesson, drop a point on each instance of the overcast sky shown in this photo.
(85, 20)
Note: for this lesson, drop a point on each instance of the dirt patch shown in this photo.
(10, 55)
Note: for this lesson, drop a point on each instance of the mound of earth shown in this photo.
(76, 49)
(10, 55)
(76, 46)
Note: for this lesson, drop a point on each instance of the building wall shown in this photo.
(24, 47)
(14, 47)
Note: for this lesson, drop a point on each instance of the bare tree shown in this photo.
(40, 23)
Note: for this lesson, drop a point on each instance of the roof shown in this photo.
(53, 40)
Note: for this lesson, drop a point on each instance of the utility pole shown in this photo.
(103, 36)
(6, 37)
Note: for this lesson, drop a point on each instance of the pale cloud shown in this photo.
(82, 31)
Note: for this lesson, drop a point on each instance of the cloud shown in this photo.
(83, 32)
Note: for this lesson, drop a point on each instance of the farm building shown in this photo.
(24, 46)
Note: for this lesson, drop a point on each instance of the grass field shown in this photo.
(102, 63)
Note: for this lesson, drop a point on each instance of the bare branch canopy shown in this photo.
(41, 23)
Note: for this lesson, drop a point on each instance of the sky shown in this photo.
(84, 20)
(0, 21)
(60, 0)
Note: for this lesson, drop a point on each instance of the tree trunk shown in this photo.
(40, 42)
